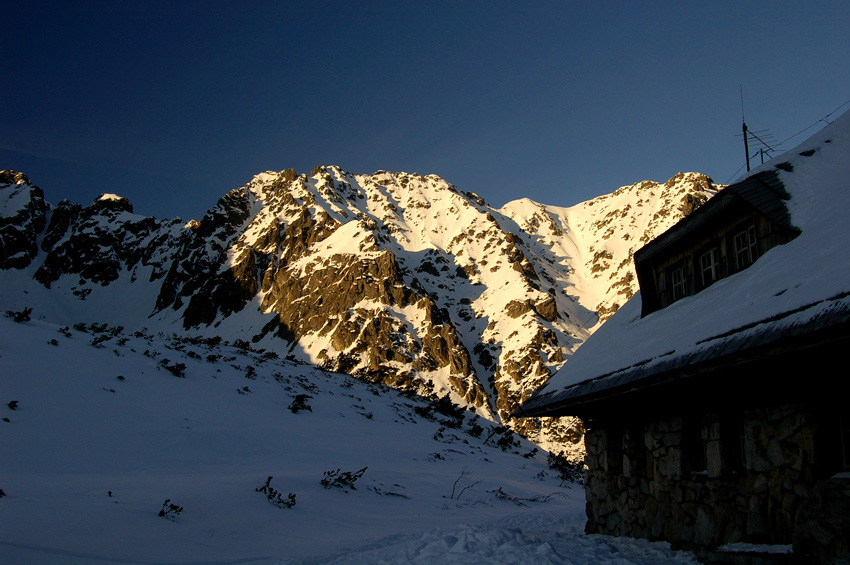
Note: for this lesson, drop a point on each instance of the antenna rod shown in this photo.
(741, 86)
(744, 127)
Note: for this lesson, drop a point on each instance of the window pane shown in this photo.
(709, 267)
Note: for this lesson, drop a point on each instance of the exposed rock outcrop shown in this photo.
(393, 277)
(23, 219)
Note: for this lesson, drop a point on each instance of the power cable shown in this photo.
(734, 174)
(823, 119)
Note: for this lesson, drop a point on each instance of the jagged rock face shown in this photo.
(393, 277)
(102, 241)
(22, 218)
(199, 271)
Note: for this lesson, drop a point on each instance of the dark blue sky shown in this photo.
(172, 104)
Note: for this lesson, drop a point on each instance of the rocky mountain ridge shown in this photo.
(396, 278)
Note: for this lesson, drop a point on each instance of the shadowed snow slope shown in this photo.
(101, 426)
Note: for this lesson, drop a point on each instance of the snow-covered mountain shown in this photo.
(395, 278)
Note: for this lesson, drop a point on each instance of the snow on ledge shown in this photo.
(844, 475)
(741, 547)
(110, 197)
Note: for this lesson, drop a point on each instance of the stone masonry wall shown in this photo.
(714, 479)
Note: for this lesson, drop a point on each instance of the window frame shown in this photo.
(745, 244)
(713, 266)
(678, 289)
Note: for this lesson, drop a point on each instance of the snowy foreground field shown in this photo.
(99, 429)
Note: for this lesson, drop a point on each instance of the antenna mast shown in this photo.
(744, 128)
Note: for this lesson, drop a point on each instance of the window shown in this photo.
(614, 450)
(693, 445)
(709, 263)
(832, 441)
(733, 441)
(678, 282)
(634, 452)
(745, 247)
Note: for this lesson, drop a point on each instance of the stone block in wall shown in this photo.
(823, 522)
(656, 526)
(774, 454)
(792, 477)
(758, 528)
(714, 457)
(757, 483)
(792, 453)
(755, 451)
(651, 437)
(673, 462)
(677, 494)
(801, 490)
(676, 424)
(807, 442)
(703, 527)
(713, 430)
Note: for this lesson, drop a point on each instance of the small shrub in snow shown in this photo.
(96, 342)
(519, 501)
(274, 496)
(212, 341)
(568, 472)
(475, 430)
(444, 407)
(458, 488)
(342, 479)
(503, 438)
(176, 369)
(19, 317)
(300, 403)
(169, 510)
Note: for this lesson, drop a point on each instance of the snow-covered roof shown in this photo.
(792, 290)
